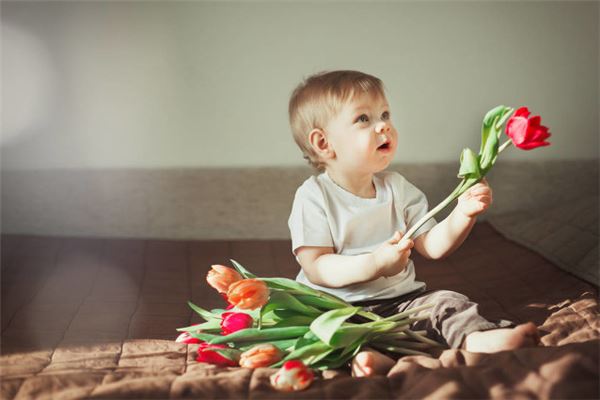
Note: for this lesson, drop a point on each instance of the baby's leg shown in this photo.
(454, 317)
(495, 340)
(371, 362)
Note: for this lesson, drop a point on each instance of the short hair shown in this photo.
(320, 97)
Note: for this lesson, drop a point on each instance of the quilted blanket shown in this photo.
(509, 281)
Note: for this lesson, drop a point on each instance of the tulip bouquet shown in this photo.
(270, 321)
(280, 322)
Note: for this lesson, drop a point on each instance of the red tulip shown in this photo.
(221, 277)
(186, 337)
(207, 354)
(248, 294)
(233, 322)
(526, 133)
(293, 375)
(261, 355)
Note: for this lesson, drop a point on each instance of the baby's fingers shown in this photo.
(404, 245)
(396, 238)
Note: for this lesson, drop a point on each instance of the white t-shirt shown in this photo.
(326, 215)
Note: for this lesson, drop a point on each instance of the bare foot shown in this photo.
(524, 335)
(371, 362)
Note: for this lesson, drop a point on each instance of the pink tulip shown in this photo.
(234, 321)
(526, 133)
(261, 355)
(292, 376)
(207, 354)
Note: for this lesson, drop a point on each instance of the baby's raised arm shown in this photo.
(325, 268)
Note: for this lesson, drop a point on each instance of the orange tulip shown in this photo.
(221, 277)
(261, 355)
(248, 294)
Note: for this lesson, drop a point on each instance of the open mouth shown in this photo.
(384, 146)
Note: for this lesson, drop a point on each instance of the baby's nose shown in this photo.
(382, 127)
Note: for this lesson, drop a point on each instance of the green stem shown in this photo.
(462, 187)
(406, 313)
(369, 315)
(435, 210)
(504, 145)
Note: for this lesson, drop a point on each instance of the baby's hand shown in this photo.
(392, 256)
(475, 200)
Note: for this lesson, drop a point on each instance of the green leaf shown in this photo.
(322, 302)
(297, 320)
(489, 121)
(489, 150)
(212, 324)
(301, 289)
(326, 325)
(308, 354)
(266, 334)
(243, 271)
(491, 130)
(231, 354)
(469, 164)
(347, 335)
(289, 284)
(492, 114)
(207, 315)
(308, 338)
(206, 337)
(338, 358)
(285, 345)
(282, 300)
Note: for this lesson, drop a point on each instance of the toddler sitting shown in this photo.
(346, 223)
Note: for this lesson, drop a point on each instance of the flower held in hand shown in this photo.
(526, 133)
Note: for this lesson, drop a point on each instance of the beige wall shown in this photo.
(204, 84)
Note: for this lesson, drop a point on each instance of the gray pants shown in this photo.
(452, 317)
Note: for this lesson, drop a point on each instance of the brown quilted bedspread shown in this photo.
(507, 280)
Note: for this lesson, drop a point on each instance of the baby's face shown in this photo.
(362, 135)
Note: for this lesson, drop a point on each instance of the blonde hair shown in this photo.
(320, 97)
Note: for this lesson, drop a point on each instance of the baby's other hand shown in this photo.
(392, 256)
(475, 200)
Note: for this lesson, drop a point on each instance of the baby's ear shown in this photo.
(318, 141)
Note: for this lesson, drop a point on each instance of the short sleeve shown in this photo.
(308, 220)
(413, 205)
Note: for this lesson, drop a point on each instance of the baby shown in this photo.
(346, 223)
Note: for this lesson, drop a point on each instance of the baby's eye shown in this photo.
(362, 118)
(385, 116)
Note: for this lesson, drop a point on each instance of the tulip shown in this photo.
(233, 322)
(186, 337)
(261, 355)
(526, 133)
(248, 294)
(221, 277)
(208, 353)
(293, 375)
